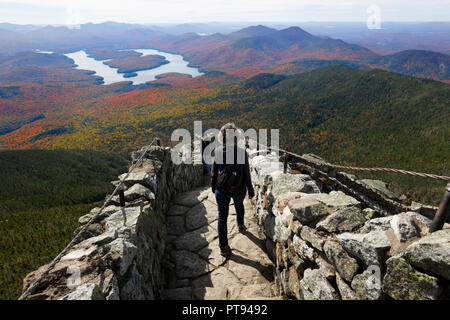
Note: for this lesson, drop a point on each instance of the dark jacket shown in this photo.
(246, 180)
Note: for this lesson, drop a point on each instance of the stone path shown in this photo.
(195, 268)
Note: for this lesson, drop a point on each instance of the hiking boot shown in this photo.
(242, 228)
(225, 252)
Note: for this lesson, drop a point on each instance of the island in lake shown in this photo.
(129, 65)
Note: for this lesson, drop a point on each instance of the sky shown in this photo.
(187, 11)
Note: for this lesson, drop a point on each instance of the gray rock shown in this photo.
(298, 263)
(114, 292)
(337, 199)
(282, 231)
(142, 178)
(138, 191)
(422, 221)
(367, 285)
(283, 199)
(312, 237)
(345, 291)
(402, 282)
(124, 250)
(288, 220)
(125, 221)
(307, 210)
(106, 212)
(80, 253)
(404, 228)
(431, 253)
(345, 265)
(406, 225)
(369, 247)
(99, 240)
(284, 183)
(294, 283)
(303, 250)
(87, 291)
(315, 286)
(344, 219)
(380, 187)
(326, 268)
(379, 224)
(132, 288)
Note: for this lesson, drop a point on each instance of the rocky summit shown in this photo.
(311, 234)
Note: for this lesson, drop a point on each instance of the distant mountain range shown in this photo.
(266, 48)
(244, 52)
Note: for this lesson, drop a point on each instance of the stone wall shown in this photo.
(333, 236)
(122, 252)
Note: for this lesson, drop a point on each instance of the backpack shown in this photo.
(229, 179)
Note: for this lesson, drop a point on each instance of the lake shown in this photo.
(110, 75)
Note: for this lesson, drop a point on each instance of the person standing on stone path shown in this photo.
(230, 180)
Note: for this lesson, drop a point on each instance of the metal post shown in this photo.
(285, 160)
(285, 163)
(443, 211)
(122, 196)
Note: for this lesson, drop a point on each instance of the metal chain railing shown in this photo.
(324, 163)
(443, 211)
(30, 290)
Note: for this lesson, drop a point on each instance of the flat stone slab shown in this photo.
(211, 254)
(189, 264)
(191, 198)
(250, 249)
(337, 199)
(220, 277)
(175, 225)
(209, 293)
(196, 217)
(197, 239)
(250, 292)
(177, 210)
(247, 270)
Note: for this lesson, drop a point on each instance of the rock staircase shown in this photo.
(196, 270)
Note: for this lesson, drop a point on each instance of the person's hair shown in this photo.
(221, 137)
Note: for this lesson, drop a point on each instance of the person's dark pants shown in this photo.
(223, 204)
